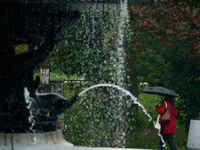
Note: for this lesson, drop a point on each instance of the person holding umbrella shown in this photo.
(167, 129)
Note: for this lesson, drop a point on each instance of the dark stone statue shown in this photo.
(39, 24)
(40, 27)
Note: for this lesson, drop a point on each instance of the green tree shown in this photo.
(182, 75)
(174, 25)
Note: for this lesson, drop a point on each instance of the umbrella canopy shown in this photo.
(158, 90)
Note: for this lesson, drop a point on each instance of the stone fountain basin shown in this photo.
(22, 21)
(45, 141)
(46, 138)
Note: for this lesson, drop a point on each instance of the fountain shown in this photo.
(28, 117)
(39, 24)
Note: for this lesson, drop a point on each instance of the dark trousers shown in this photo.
(169, 139)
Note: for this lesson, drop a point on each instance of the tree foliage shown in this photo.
(166, 18)
(184, 78)
(174, 26)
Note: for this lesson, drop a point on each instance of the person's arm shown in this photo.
(161, 109)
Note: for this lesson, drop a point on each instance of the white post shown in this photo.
(193, 142)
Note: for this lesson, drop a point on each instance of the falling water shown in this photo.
(102, 55)
(29, 102)
(123, 22)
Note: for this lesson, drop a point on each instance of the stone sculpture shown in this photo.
(39, 24)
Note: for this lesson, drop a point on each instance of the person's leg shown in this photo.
(161, 143)
(169, 138)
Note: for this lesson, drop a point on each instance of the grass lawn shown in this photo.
(59, 76)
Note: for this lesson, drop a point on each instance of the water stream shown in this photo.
(29, 101)
(126, 92)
